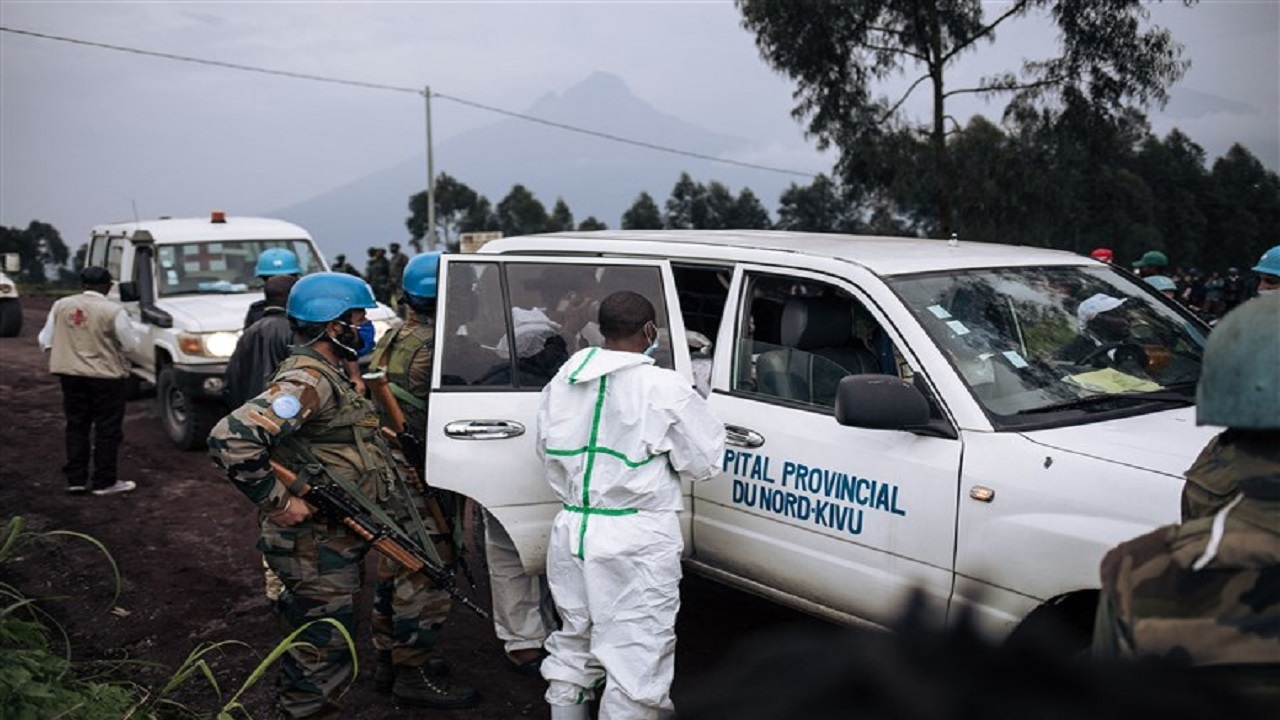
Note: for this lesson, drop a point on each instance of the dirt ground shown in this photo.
(184, 545)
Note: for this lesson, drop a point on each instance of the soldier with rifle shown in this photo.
(399, 383)
(310, 453)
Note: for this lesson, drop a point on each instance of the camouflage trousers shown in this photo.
(321, 565)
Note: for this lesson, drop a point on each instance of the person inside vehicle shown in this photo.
(1104, 339)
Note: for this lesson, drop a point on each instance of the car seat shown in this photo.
(819, 349)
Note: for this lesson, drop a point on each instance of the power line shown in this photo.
(416, 91)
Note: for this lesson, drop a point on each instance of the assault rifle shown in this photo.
(390, 541)
(380, 390)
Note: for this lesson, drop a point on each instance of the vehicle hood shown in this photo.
(208, 312)
(1164, 442)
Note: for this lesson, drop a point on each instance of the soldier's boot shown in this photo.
(384, 673)
(427, 687)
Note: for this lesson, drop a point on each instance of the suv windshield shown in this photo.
(1046, 345)
(221, 267)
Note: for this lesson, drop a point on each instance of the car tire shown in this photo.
(186, 421)
(10, 317)
(1063, 627)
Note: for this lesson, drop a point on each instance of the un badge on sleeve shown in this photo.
(286, 407)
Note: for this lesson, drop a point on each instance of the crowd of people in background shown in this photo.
(1210, 294)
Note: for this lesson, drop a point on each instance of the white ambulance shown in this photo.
(187, 284)
(901, 413)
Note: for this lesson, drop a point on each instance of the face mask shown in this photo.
(366, 333)
(348, 341)
(653, 344)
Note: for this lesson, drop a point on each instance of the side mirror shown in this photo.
(880, 402)
(129, 292)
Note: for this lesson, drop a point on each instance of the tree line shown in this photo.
(1072, 164)
(1040, 180)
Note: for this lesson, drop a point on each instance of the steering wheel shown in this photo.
(1125, 355)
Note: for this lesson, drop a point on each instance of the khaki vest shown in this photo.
(399, 349)
(84, 338)
(342, 435)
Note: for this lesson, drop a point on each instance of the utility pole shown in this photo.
(431, 178)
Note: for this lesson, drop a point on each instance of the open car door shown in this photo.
(505, 325)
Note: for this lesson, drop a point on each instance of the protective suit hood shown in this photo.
(593, 363)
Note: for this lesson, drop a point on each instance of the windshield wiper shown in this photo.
(1096, 400)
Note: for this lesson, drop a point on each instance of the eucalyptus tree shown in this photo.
(842, 54)
(643, 214)
(520, 213)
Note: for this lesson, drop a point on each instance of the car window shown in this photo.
(115, 252)
(512, 325)
(97, 251)
(800, 337)
(1032, 342)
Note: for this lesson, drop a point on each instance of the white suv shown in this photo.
(10, 305)
(900, 412)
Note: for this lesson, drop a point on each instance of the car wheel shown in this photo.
(186, 421)
(10, 317)
(1063, 627)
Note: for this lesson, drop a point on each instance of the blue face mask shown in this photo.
(653, 346)
(366, 333)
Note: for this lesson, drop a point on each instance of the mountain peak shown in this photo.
(598, 90)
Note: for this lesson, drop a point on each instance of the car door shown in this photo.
(506, 325)
(838, 518)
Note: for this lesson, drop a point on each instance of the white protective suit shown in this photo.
(522, 615)
(617, 434)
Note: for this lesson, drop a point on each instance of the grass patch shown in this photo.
(38, 680)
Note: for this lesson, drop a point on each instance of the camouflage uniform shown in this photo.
(1179, 594)
(407, 356)
(1228, 459)
(310, 403)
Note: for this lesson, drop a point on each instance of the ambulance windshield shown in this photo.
(1033, 342)
(221, 267)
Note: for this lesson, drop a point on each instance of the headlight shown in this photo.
(5, 288)
(215, 344)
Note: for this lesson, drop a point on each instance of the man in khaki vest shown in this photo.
(88, 337)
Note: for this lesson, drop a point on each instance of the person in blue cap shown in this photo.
(1268, 270)
(273, 262)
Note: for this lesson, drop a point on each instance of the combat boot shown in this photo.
(427, 687)
(384, 673)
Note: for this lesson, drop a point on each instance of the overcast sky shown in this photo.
(86, 133)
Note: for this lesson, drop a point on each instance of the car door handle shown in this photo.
(742, 437)
(483, 429)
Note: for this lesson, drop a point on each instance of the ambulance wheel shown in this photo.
(186, 421)
(10, 317)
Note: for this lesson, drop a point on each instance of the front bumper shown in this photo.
(201, 382)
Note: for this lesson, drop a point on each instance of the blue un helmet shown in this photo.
(1163, 283)
(321, 297)
(1269, 263)
(277, 261)
(1239, 385)
(420, 278)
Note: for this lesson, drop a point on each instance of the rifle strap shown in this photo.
(407, 397)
